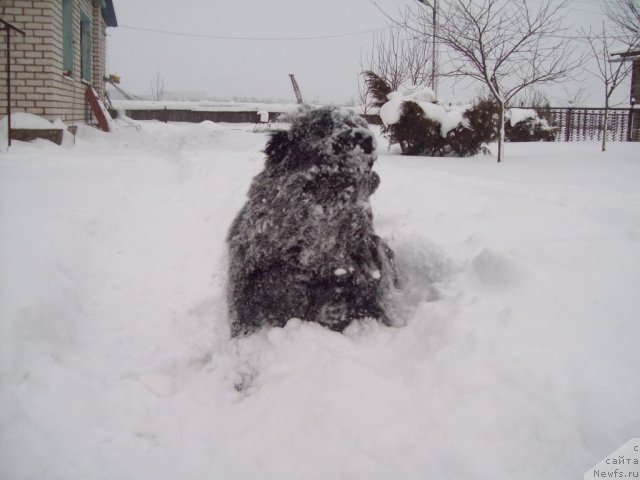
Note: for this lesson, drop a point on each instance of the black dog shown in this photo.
(303, 245)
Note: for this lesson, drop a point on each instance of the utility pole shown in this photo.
(433, 5)
(434, 60)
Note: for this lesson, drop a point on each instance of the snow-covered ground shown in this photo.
(519, 358)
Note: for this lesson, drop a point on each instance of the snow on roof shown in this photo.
(109, 13)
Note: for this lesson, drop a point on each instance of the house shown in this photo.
(634, 94)
(60, 55)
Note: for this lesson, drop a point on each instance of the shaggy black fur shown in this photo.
(303, 245)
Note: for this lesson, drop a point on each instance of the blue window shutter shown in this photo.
(85, 46)
(67, 36)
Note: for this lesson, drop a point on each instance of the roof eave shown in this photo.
(109, 14)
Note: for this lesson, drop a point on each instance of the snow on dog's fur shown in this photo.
(303, 245)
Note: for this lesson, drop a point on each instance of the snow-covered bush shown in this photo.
(377, 87)
(529, 125)
(415, 133)
(479, 127)
(414, 120)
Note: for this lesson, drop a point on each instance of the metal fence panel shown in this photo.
(584, 124)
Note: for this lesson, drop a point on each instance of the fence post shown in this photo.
(567, 129)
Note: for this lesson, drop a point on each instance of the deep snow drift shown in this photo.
(519, 358)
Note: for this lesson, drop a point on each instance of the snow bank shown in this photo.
(30, 121)
(448, 117)
(518, 358)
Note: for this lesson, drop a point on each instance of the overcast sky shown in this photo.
(326, 68)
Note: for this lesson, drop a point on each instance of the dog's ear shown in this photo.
(277, 147)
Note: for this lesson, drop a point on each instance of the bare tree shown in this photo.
(507, 45)
(417, 56)
(610, 71)
(385, 58)
(398, 56)
(532, 98)
(157, 87)
(575, 96)
(626, 15)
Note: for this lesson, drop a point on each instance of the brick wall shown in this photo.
(38, 83)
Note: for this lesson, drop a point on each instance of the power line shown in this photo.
(320, 37)
(262, 39)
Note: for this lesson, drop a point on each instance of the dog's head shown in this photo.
(323, 137)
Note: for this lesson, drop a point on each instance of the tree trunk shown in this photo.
(502, 133)
(605, 130)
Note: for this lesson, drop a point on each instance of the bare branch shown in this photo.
(610, 73)
(398, 57)
(626, 15)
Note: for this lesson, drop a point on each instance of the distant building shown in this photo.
(633, 128)
(62, 53)
(634, 57)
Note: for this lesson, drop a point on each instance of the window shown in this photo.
(67, 37)
(85, 47)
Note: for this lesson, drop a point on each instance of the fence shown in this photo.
(583, 124)
(197, 116)
(572, 124)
